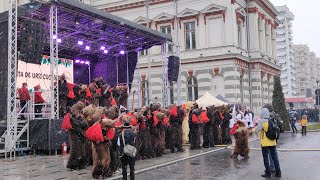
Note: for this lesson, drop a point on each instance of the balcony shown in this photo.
(290, 31)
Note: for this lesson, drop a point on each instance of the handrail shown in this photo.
(23, 108)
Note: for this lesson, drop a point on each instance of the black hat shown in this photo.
(127, 124)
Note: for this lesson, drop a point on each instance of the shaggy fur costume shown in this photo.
(241, 147)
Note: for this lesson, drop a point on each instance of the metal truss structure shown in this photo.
(54, 61)
(165, 100)
(12, 74)
(179, 93)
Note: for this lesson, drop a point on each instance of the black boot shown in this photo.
(266, 175)
(278, 174)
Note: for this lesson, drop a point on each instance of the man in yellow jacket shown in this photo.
(268, 146)
(304, 123)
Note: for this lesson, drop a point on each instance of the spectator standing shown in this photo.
(24, 95)
(268, 146)
(38, 100)
(293, 125)
(304, 123)
(129, 138)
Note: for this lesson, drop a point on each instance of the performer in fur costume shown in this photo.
(101, 135)
(241, 147)
(194, 125)
(77, 159)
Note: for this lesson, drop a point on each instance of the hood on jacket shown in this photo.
(264, 113)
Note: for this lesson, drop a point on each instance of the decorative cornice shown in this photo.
(134, 5)
(222, 12)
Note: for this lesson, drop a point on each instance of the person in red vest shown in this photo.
(38, 100)
(24, 95)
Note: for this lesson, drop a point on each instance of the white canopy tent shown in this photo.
(208, 100)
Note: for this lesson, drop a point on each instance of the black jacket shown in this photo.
(129, 138)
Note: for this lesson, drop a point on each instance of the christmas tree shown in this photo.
(278, 103)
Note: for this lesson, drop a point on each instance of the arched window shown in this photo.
(145, 92)
(171, 92)
(192, 88)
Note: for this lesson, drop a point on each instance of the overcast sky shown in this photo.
(306, 25)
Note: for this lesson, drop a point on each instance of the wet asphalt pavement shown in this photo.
(297, 162)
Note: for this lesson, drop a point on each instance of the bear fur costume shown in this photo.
(225, 127)
(176, 130)
(208, 128)
(77, 138)
(158, 134)
(241, 146)
(144, 138)
(194, 126)
(101, 151)
(88, 113)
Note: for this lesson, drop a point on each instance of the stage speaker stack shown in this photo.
(173, 68)
(32, 42)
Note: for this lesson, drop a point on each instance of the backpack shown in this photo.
(273, 132)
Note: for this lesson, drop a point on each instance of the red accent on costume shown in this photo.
(184, 107)
(143, 125)
(38, 97)
(204, 117)
(233, 129)
(166, 121)
(149, 116)
(98, 91)
(70, 93)
(221, 115)
(155, 119)
(110, 134)
(134, 121)
(94, 133)
(66, 124)
(88, 93)
(174, 111)
(118, 123)
(195, 119)
(113, 102)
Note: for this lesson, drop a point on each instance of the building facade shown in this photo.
(285, 51)
(212, 39)
(307, 71)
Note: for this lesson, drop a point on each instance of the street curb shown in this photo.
(318, 130)
(179, 160)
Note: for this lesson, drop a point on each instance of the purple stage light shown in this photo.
(87, 48)
(105, 51)
(77, 61)
(80, 43)
(59, 40)
(87, 62)
(102, 48)
(81, 62)
(54, 37)
(122, 52)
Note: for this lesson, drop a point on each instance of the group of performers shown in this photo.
(96, 116)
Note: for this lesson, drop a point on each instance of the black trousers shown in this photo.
(22, 104)
(38, 110)
(304, 130)
(125, 161)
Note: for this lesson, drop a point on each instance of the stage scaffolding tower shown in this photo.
(10, 145)
(54, 61)
(164, 58)
(177, 44)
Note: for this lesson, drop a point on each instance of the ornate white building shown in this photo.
(213, 44)
(285, 51)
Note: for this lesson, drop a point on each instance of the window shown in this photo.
(239, 34)
(145, 92)
(167, 30)
(192, 88)
(215, 32)
(190, 35)
(143, 52)
(171, 92)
